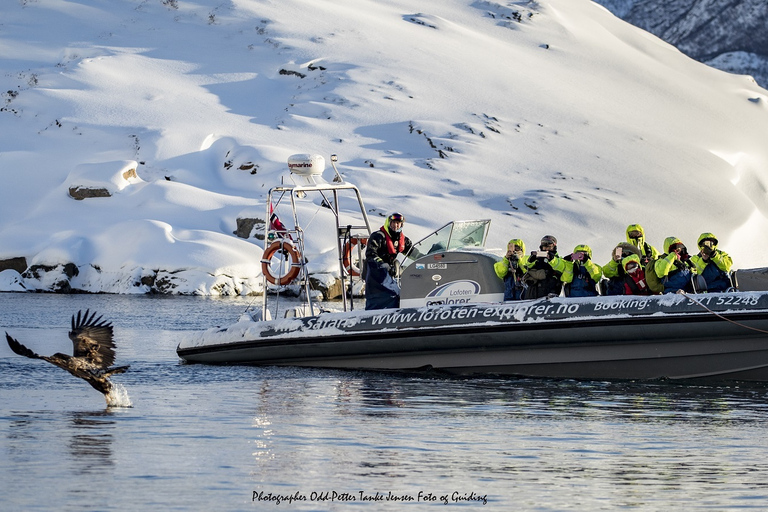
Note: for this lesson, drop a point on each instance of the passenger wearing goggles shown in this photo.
(713, 264)
(674, 267)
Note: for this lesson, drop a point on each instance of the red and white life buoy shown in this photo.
(349, 246)
(288, 252)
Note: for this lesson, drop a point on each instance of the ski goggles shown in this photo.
(708, 242)
(397, 217)
(635, 234)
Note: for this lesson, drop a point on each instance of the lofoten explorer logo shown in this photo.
(455, 292)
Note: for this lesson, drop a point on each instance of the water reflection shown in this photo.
(87, 436)
(90, 445)
(622, 437)
(546, 400)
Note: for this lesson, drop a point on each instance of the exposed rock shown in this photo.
(165, 283)
(292, 72)
(130, 173)
(327, 284)
(249, 166)
(52, 278)
(17, 264)
(101, 179)
(245, 227)
(80, 193)
(149, 282)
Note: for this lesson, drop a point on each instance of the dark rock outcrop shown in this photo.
(245, 226)
(80, 193)
(17, 264)
(250, 226)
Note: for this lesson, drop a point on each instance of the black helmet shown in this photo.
(394, 217)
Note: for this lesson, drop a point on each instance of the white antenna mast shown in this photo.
(338, 178)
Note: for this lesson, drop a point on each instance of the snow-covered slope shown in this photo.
(732, 36)
(551, 117)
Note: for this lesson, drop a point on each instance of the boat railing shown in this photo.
(306, 173)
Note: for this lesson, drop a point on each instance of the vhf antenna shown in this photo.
(338, 178)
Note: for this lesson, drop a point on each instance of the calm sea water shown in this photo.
(238, 438)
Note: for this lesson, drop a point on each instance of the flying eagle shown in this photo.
(94, 352)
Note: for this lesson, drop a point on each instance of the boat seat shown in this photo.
(699, 283)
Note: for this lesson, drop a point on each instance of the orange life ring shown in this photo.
(291, 253)
(349, 246)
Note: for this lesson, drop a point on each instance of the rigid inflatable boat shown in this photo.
(453, 318)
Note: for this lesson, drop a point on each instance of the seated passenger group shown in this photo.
(635, 268)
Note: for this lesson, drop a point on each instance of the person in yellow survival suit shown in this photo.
(713, 264)
(636, 237)
(584, 273)
(511, 269)
(674, 267)
(381, 289)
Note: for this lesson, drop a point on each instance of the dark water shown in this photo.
(212, 438)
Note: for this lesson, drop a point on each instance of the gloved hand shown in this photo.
(532, 257)
(684, 254)
(386, 266)
(707, 251)
(550, 255)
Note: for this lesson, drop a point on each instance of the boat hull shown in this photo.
(671, 337)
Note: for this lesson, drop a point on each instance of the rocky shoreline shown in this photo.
(17, 276)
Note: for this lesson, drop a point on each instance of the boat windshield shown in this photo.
(457, 234)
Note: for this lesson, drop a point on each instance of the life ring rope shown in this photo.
(291, 253)
(349, 246)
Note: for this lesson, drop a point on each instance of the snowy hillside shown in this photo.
(732, 36)
(549, 117)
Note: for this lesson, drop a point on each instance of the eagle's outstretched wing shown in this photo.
(60, 360)
(20, 349)
(92, 339)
